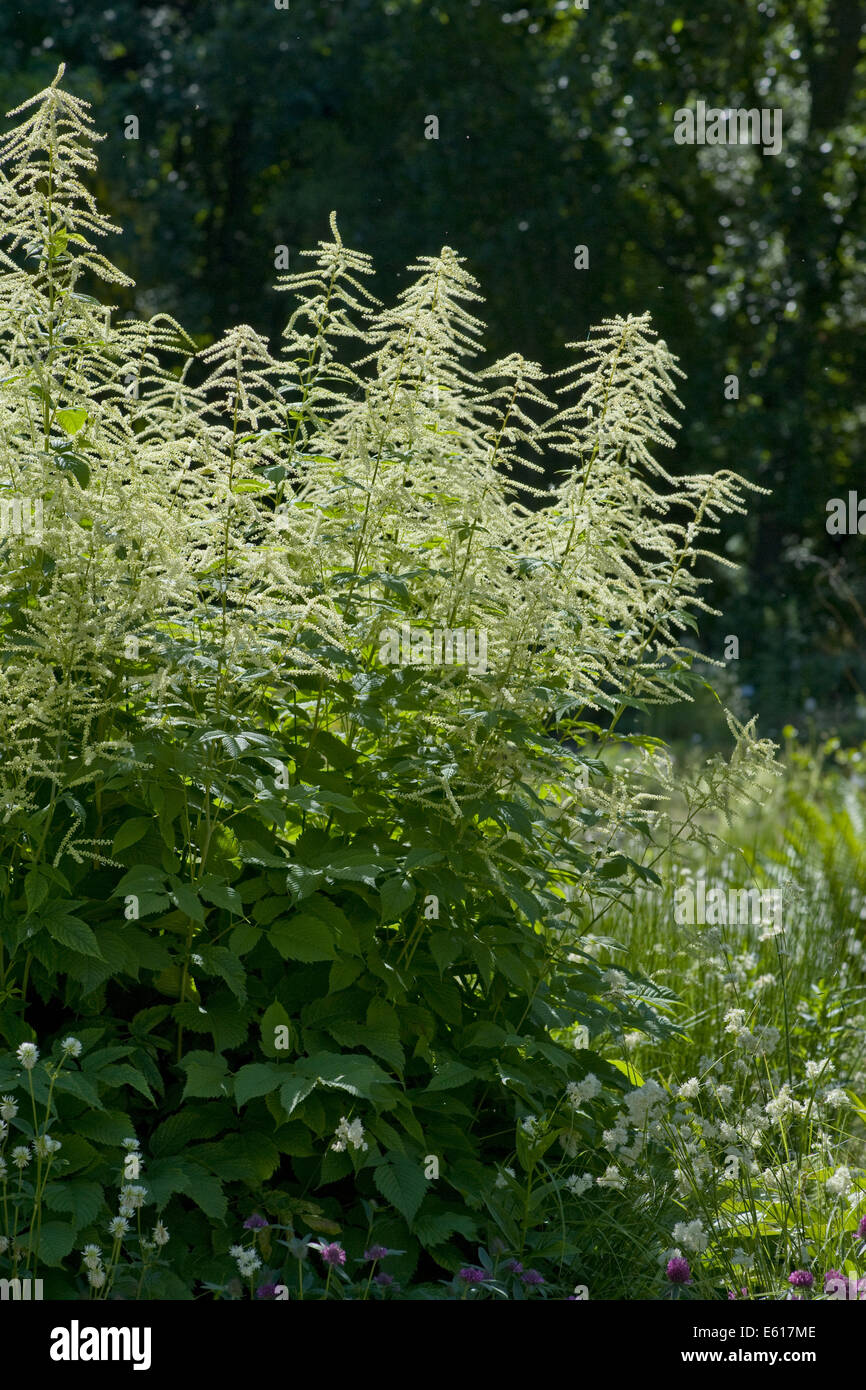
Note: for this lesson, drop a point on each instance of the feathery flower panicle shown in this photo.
(237, 520)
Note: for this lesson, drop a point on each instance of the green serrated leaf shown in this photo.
(401, 1182)
(256, 1079)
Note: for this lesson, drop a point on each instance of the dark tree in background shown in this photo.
(555, 130)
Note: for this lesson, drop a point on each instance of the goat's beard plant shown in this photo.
(360, 884)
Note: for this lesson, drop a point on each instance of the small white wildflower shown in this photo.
(783, 1104)
(160, 1234)
(840, 1182)
(771, 931)
(683, 1180)
(724, 1095)
(91, 1250)
(132, 1196)
(615, 1138)
(735, 1020)
(823, 1067)
(96, 1278)
(118, 1226)
(71, 1046)
(8, 1108)
(130, 1145)
(197, 960)
(836, 1099)
(28, 1055)
(616, 979)
(691, 1235)
(21, 1156)
(44, 1146)
(580, 1091)
(577, 1184)
(349, 1134)
(644, 1103)
(532, 1126)
(690, 1090)
(612, 1178)
(767, 1038)
(501, 1180)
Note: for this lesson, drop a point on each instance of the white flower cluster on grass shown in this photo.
(579, 1092)
(691, 1235)
(350, 1136)
(96, 1275)
(247, 1259)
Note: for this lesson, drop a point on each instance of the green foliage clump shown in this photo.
(317, 909)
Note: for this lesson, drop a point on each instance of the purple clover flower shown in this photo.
(532, 1276)
(678, 1271)
(266, 1291)
(801, 1278)
(471, 1274)
(376, 1252)
(255, 1222)
(861, 1229)
(514, 1266)
(333, 1254)
(383, 1279)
